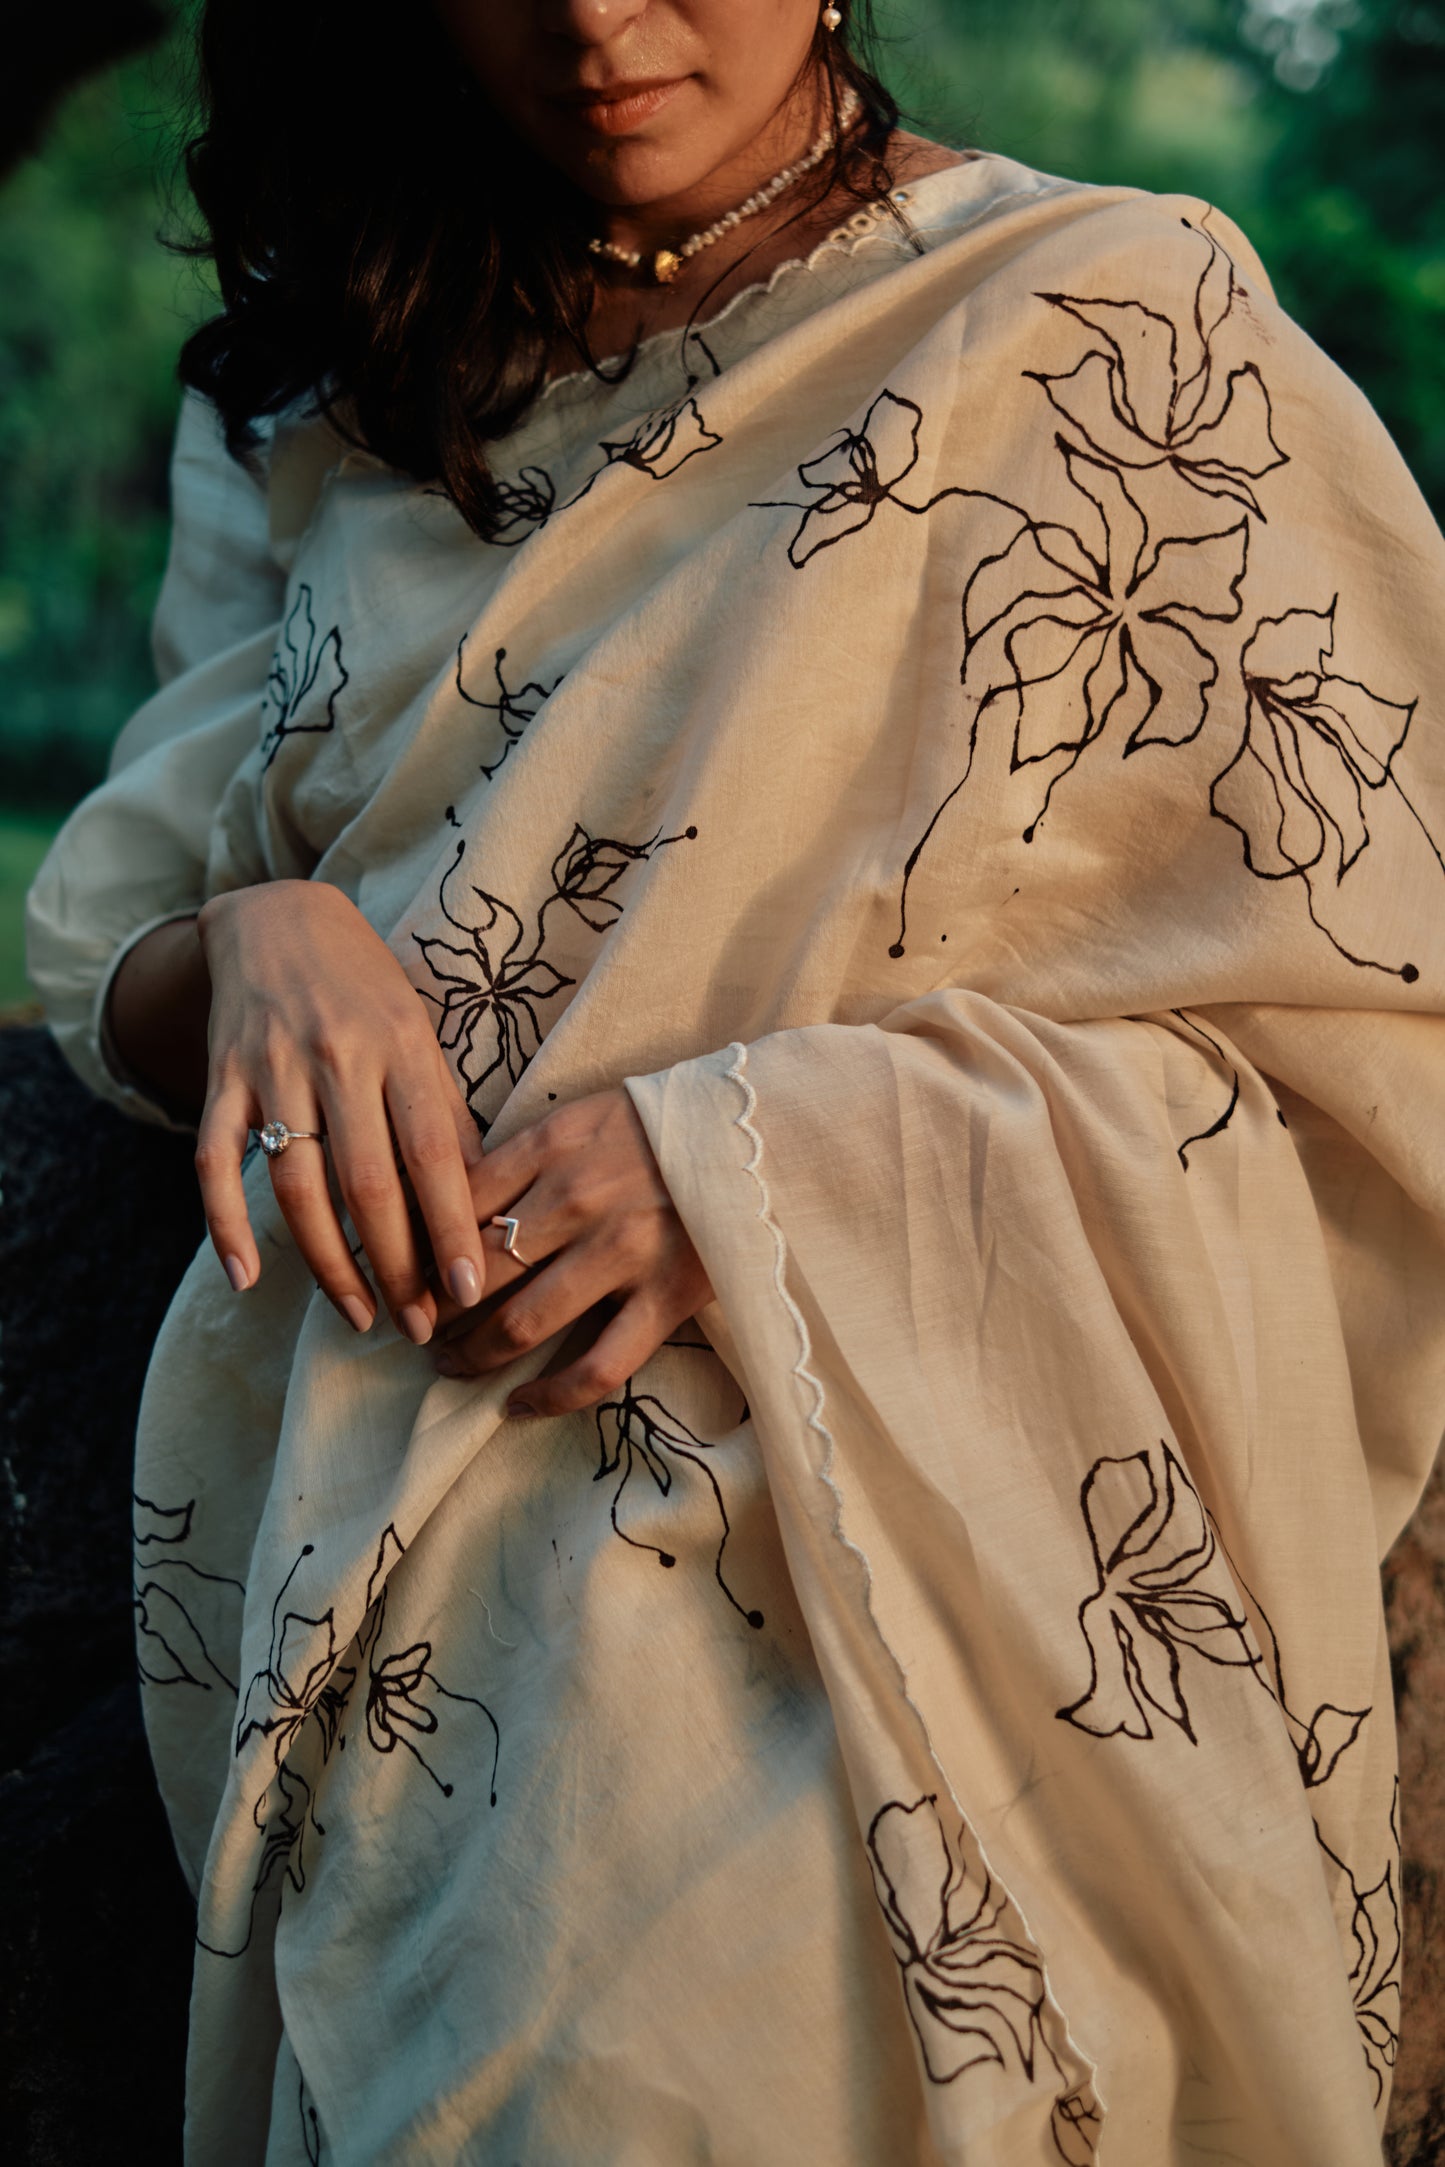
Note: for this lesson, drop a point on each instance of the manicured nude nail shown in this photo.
(447, 1364)
(238, 1275)
(416, 1324)
(355, 1311)
(520, 1407)
(464, 1282)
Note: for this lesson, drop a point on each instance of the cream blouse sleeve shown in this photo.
(133, 854)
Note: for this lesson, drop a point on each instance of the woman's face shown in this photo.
(639, 102)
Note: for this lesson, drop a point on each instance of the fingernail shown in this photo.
(355, 1311)
(238, 1275)
(520, 1407)
(465, 1285)
(447, 1364)
(416, 1324)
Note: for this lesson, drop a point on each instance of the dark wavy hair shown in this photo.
(382, 254)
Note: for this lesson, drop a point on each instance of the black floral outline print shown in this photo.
(279, 1698)
(396, 1712)
(488, 1018)
(1153, 1545)
(311, 2139)
(295, 674)
(1320, 1742)
(283, 1834)
(172, 1645)
(1374, 1975)
(855, 476)
(280, 1702)
(513, 710)
(294, 1688)
(1135, 402)
(1148, 395)
(1315, 747)
(1086, 637)
(1076, 2125)
(281, 1863)
(973, 1984)
(1218, 1126)
(1087, 624)
(645, 1436)
(664, 441)
(587, 869)
(527, 502)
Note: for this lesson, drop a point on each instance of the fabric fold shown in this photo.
(1049, 1524)
(938, 1708)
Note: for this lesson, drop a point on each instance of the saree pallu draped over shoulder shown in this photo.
(964, 741)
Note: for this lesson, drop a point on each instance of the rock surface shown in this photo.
(99, 1220)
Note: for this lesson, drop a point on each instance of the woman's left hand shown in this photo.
(595, 1228)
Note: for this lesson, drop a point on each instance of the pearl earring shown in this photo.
(831, 18)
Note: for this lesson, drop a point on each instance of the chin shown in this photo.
(630, 174)
(661, 158)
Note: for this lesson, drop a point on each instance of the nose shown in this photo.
(593, 22)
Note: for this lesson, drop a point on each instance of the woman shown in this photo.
(834, 934)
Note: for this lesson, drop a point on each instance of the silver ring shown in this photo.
(276, 1138)
(510, 1243)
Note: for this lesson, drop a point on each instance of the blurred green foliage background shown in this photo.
(1316, 124)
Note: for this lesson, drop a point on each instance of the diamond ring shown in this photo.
(276, 1138)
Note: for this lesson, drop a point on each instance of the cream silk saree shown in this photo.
(962, 737)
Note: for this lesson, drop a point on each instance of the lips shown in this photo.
(618, 108)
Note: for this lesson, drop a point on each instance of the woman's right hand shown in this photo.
(313, 1022)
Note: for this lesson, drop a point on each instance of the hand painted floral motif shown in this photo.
(972, 1981)
(1319, 1742)
(305, 1689)
(855, 476)
(513, 710)
(1318, 748)
(1151, 393)
(306, 677)
(1153, 1547)
(587, 869)
(664, 441)
(1099, 623)
(640, 1437)
(283, 1815)
(525, 503)
(403, 1693)
(302, 1657)
(1218, 1126)
(1072, 630)
(311, 2140)
(1166, 1590)
(185, 1617)
(1374, 1925)
(1076, 2126)
(490, 1019)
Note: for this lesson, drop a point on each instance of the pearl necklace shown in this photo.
(665, 263)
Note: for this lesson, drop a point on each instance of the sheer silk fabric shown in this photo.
(962, 739)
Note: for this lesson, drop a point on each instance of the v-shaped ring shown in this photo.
(510, 1241)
